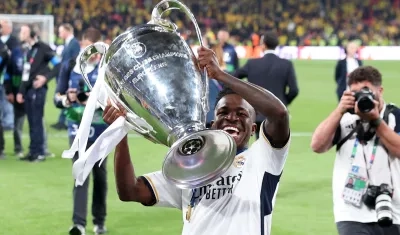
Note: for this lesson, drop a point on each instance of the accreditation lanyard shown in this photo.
(374, 149)
(32, 57)
(193, 198)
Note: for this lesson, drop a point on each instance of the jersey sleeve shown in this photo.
(166, 194)
(267, 158)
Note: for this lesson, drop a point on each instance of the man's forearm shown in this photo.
(124, 173)
(323, 136)
(389, 138)
(262, 100)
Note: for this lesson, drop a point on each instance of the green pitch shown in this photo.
(35, 199)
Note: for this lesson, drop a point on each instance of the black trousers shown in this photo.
(35, 100)
(356, 228)
(99, 197)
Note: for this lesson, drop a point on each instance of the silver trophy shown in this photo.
(154, 74)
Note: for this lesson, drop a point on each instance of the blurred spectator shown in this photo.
(7, 114)
(306, 22)
(33, 89)
(4, 57)
(70, 51)
(12, 81)
(271, 73)
(230, 56)
(345, 67)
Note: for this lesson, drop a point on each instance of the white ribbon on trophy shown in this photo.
(110, 138)
(104, 144)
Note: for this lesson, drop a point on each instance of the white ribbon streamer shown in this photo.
(99, 150)
(81, 138)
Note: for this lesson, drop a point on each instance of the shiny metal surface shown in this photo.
(197, 159)
(154, 74)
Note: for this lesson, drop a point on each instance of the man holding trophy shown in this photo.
(157, 87)
(241, 200)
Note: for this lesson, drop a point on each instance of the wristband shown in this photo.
(375, 123)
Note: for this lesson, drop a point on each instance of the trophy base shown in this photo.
(199, 158)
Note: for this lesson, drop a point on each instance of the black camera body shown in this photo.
(81, 93)
(365, 100)
(379, 198)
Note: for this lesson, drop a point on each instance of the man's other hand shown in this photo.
(208, 60)
(347, 102)
(111, 113)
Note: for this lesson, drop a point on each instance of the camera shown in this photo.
(365, 100)
(379, 198)
(81, 91)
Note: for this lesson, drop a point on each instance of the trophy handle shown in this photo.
(101, 48)
(167, 5)
(88, 52)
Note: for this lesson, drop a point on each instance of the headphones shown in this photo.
(32, 31)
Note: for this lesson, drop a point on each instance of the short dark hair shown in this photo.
(92, 34)
(270, 40)
(222, 93)
(365, 73)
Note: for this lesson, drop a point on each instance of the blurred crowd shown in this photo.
(298, 22)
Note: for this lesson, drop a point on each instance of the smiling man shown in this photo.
(242, 199)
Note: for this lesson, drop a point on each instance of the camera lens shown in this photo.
(384, 210)
(365, 104)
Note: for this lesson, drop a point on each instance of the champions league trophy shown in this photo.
(153, 73)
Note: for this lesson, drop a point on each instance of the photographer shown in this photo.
(366, 178)
(72, 94)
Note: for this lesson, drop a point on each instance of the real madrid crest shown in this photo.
(239, 161)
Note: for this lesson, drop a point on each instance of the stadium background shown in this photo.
(36, 199)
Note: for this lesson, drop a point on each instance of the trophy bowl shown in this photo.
(153, 73)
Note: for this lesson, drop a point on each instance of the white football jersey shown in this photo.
(239, 202)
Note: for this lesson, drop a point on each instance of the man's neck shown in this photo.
(69, 38)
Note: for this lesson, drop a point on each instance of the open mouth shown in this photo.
(233, 131)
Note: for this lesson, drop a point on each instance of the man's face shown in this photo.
(351, 49)
(24, 33)
(223, 36)
(377, 90)
(62, 33)
(5, 27)
(236, 116)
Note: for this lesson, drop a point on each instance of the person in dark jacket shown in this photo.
(33, 89)
(272, 73)
(345, 67)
